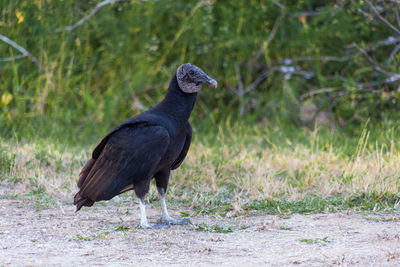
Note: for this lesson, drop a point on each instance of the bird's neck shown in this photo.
(177, 104)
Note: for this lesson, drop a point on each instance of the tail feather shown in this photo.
(85, 171)
(103, 178)
(79, 201)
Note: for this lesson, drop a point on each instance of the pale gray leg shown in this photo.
(143, 218)
(165, 218)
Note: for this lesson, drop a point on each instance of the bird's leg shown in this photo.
(165, 215)
(140, 190)
(143, 218)
(165, 218)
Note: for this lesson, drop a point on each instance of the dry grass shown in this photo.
(295, 171)
(250, 170)
(43, 167)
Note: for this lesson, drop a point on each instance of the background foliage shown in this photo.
(285, 61)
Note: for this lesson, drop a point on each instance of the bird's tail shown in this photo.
(85, 171)
(79, 201)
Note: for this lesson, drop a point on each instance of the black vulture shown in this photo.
(147, 145)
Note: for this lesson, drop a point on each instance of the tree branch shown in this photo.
(392, 79)
(24, 52)
(368, 87)
(385, 42)
(382, 19)
(272, 33)
(90, 15)
(371, 60)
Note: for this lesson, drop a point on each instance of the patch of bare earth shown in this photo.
(106, 235)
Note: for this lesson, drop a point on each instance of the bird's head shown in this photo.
(190, 78)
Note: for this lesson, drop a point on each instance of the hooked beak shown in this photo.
(213, 83)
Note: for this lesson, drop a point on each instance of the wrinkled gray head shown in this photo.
(190, 78)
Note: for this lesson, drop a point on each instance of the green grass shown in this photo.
(218, 228)
(122, 228)
(234, 169)
(322, 241)
(315, 204)
(83, 238)
(383, 219)
(79, 237)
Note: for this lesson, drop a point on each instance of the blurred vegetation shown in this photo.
(282, 61)
(241, 170)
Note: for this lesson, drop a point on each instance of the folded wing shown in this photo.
(130, 155)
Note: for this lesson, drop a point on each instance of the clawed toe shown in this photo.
(154, 225)
(173, 221)
(183, 221)
(161, 225)
(165, 223)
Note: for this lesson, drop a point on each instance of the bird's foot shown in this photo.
(169, 220)
(147, 225)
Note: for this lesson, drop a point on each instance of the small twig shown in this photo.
(319, 91)
(361, 86)
(314, 13)
(322, 58)
(90, 15)
(276, 25)
(333, 10)
(24, 52)
(12, 58)
(240, 90)
(306, 14)
(371, 60)
(365, 13)
(272, 33)
(394, 1)
(396, 12)
(278, 4)
(385, 42)
(182, 28)
(394, 52)
(392, 79)
(305, 74)
(388, 41)
(382, 19)
(254, 84)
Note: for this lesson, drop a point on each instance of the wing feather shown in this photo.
(130, 155)
(185, 148)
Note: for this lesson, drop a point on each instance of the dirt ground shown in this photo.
(106, 235)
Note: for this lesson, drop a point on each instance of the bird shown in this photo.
(146, 146)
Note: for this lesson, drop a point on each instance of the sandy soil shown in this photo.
(57, 237)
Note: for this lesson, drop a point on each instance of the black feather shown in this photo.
(145, 146)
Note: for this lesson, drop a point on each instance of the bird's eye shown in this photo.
(191, 72)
